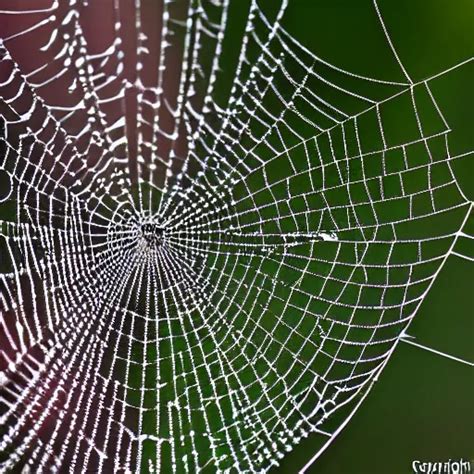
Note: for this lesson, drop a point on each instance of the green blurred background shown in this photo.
(421, 407)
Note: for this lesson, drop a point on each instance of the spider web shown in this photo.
(212, 240)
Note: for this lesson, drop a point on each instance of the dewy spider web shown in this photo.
(208, 252)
